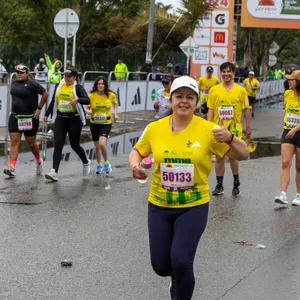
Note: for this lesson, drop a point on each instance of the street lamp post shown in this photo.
(150, 30)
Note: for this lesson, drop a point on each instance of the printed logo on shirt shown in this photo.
(196, 145)
(189, 144)
(177, 160)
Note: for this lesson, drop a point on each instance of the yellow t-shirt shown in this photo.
(249, 84)
(229, 104)
(206, 83)
(292, 110)
(183, 161)
(101, 107)
(64, 95)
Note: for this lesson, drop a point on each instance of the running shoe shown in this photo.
(107, 168)
(99, 169)
(296, 201)
(281, 199)
(219, 190)
(39, 168)
(236, 189)
(10, 172)
(172, 289)
(86, 168)
(52, 175)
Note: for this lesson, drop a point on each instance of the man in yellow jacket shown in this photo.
(120, 70)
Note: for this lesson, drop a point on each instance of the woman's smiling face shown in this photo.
(184, 102)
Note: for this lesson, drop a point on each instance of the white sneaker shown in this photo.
(281, 199)
(52, 175)
(39, 168)
(296, 201)
(86, 168)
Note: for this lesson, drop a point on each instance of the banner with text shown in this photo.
(271, 14)
(215, 38)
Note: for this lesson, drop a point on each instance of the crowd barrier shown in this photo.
(133, 94)
(116, 145)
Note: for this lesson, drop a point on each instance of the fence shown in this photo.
(133, 94)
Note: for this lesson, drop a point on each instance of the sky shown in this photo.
(175, 3)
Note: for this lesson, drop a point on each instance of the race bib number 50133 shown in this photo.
(177, 177)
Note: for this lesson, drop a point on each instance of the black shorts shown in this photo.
(98, 130)
(13, 126)
(294, 141)
(251, 100)
(204, 108)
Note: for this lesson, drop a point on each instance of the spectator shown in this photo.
(68, 64)
(41, 71)
(2, 71)
(146, 68)
(169, 70)
(179, 69)
(277, 74)
(271, 74)
(158, 71)
(54, 69)
(121, 70)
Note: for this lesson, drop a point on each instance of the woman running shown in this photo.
(102, 99)
(68, 99)
(24, 117)
(290, 140)
(182, 145)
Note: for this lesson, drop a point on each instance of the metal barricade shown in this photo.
(134, 94)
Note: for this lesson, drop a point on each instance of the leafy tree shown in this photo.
(257, 42)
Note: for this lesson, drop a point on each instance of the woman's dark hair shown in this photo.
(106, 89)
(298, 88)
(40, 66)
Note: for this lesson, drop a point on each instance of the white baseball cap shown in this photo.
(184, 81)
(251, 73)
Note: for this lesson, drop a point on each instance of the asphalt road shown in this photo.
(100, 224)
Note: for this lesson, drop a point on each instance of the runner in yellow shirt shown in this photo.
(227, 101)
(290, 139)
(251, 85)
(182, 145)
(205, 83)
(102, 100)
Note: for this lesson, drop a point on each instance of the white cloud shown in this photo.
(174, 3)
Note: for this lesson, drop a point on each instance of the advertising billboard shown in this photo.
(214, 38)
(271, 13)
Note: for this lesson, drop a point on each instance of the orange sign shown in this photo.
(214, 38)
(271, 14)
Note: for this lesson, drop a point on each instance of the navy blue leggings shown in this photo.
(174, 234)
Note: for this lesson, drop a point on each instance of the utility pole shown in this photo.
(150, 30)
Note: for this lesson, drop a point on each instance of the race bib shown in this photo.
(100, 118)
(65, 106)
(292, 120)
(25, 124)
(177, 177)
(226, 112)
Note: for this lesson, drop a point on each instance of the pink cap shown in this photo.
(147, 162)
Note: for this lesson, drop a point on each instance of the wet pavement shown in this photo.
(100, 224)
